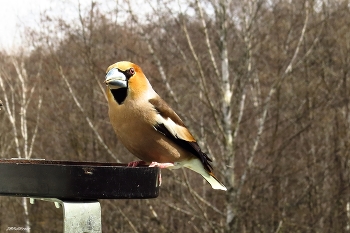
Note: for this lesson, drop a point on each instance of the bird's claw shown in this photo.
(161, 165)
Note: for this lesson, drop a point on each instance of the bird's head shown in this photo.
(126, 78)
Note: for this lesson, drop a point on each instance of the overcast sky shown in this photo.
(16, 14)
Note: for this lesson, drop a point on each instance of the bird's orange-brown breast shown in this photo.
(133, 123)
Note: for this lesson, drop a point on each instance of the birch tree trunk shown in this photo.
(17, 100)
(226, 114)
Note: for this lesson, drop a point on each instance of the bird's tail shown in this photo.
(197, 166)
(214, 182)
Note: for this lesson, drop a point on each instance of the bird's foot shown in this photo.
(136, 163)
(161, 165)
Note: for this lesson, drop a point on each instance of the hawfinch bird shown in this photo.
(148, 127)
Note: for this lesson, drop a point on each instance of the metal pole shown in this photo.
(78, 216)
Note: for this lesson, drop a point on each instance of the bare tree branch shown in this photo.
(88, 120)
(154, 55)
(273, 89)
(207, 40)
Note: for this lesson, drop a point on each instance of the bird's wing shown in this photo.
(170, 125)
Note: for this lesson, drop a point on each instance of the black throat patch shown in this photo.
(119, 94)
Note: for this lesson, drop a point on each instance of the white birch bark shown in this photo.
(17, 100)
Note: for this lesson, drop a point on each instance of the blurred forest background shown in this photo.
(263, 84)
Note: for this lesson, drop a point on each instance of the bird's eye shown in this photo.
(131, 71)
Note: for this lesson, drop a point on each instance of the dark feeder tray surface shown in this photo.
(72, 180)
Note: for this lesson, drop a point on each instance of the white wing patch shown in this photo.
(176, 130)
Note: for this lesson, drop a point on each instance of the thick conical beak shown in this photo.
(116, 79)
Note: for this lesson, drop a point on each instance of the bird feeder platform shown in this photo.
(77, 186)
